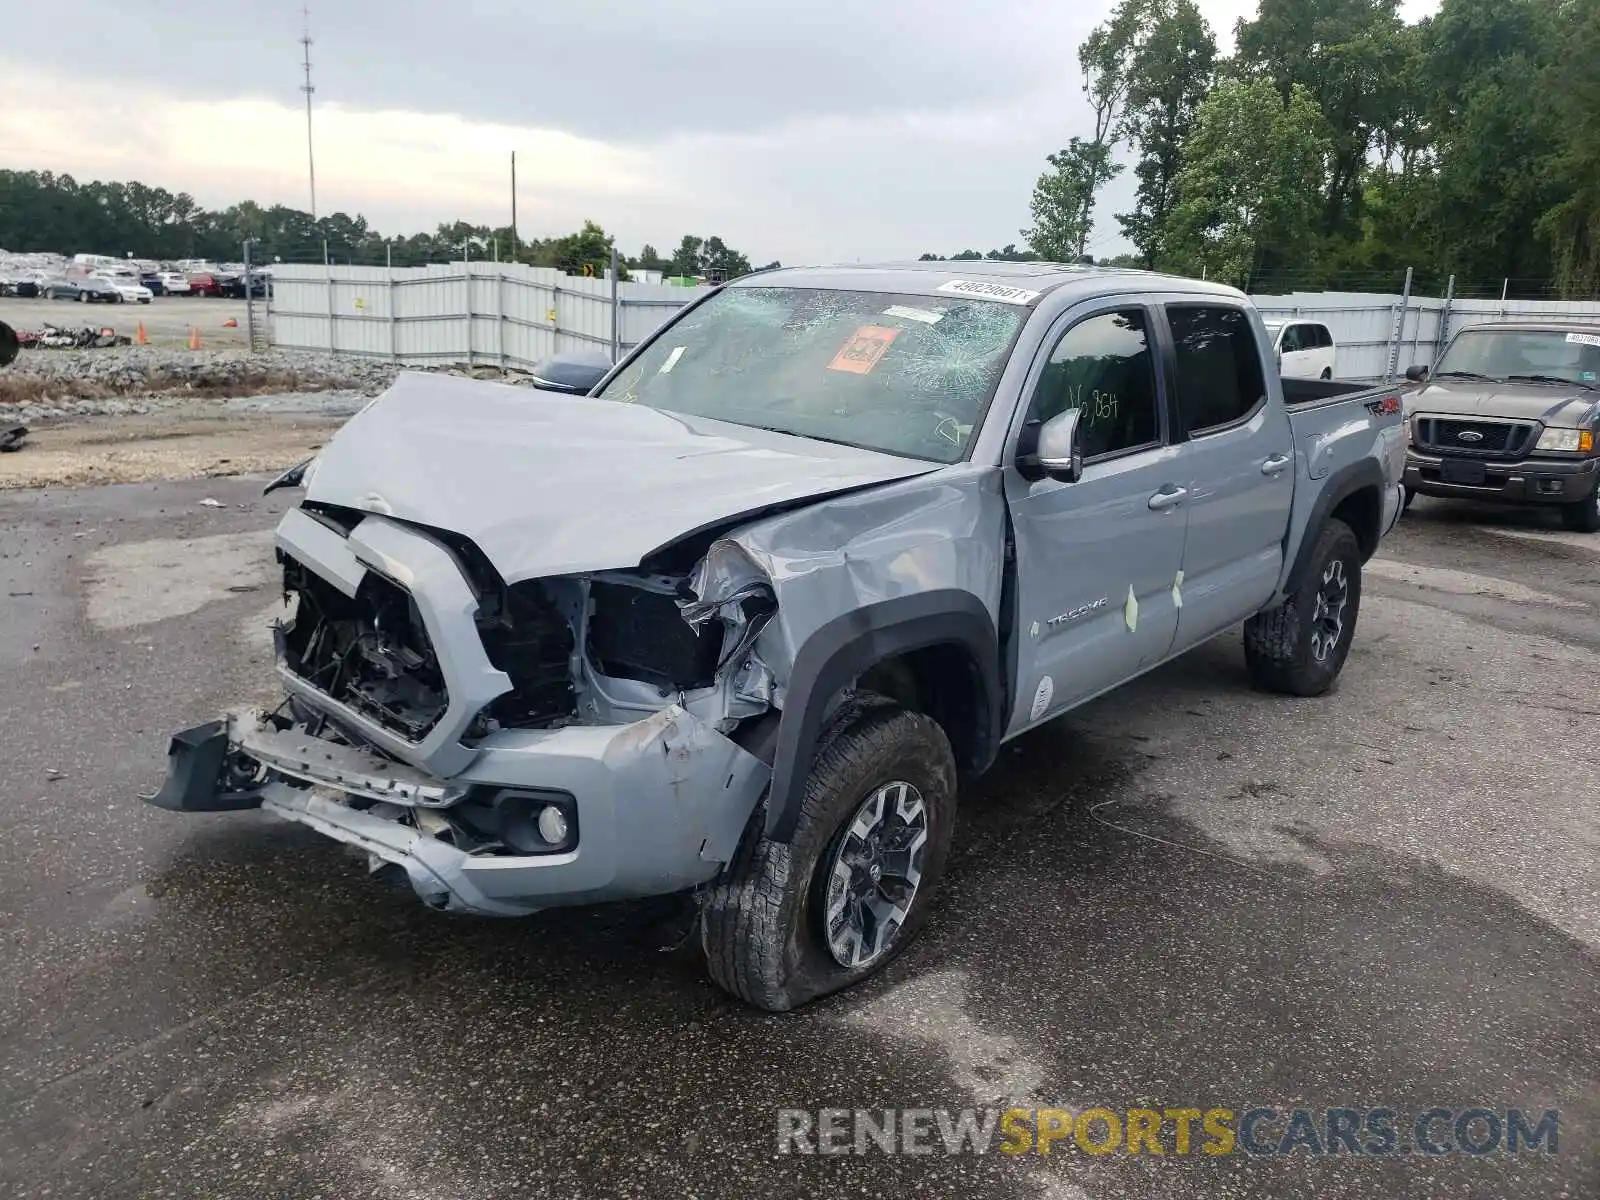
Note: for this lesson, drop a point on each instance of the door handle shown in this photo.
(1276, 465)
(1164, 499)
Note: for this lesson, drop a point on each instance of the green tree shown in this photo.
(1250, 187)
(1348, 55)
(1168, 76)
(1063, 200)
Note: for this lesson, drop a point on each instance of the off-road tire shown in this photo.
(1584, 516)
(760, 924)
(1277, 643)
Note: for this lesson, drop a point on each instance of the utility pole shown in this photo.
(513, 206)
(311, 154)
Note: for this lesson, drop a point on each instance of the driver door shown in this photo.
(1098, 559)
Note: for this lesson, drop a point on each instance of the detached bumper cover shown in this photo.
(661, 805)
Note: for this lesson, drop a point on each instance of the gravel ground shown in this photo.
(132, 380)
(166, 319)
(1186, 893)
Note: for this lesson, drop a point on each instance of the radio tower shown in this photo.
(311, 154)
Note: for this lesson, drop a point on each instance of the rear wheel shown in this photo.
(793, 921)
(83, 297)
(1299, 647)
(1584, 516)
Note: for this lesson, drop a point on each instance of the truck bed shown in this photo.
(1298, 393)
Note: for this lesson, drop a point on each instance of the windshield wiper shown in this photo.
(808, 436)
(1556, 379)
(1466, 375)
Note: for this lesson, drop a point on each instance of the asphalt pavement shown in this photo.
(1186, 895)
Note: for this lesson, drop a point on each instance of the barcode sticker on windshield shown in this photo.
(1584, 339)
(672, 360)
(982, 290)
(927, 316)
(863, 348)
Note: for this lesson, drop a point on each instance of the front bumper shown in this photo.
(661, 804)
(1531, 481)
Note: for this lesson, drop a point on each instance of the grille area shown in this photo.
(526, 636)
(1475, 439)
(370, 652)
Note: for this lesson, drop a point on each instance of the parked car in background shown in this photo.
(205, 285)
(87, 288)
(175, 283)
(1511, 415)
(152, 281)
(1305, 349)
(233, 286)
(132, 292)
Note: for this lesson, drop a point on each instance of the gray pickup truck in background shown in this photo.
(737, 621)
(1511, 415)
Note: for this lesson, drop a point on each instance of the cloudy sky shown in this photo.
(828, 131)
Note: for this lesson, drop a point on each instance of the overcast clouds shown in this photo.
(827, 131)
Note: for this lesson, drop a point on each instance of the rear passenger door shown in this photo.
(1238, 463)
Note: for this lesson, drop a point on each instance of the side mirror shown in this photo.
(1417, 374)
(1053, 448)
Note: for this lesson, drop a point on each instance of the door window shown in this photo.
(1103, 366)
(1292, 340)
(1218, 369)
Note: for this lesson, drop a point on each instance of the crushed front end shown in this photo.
(508, 746)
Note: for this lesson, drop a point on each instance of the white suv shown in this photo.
(1305, 349)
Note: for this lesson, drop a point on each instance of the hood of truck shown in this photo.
(1564, 408)
(547, 484)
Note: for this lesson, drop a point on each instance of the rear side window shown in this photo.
(1219, 379)
(1320, 337)
(1103, 366)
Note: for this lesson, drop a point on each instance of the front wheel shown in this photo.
(1299, 647)
(1584, 516)
(791, 921)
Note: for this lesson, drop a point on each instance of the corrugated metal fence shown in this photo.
(1380, 336)
(493, 314)
(509, 315)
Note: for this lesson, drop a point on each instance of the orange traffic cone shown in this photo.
(140, 338)
(194, 337)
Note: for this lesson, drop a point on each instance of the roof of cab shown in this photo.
(926, 278)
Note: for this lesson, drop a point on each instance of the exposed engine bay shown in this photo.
(601, 648)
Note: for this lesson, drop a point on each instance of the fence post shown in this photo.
(327, 268)
(249, 303)
(1444, 321)
(616, 308)
(500, 312)
(1399, 330)
(394, 327)
(466, 266)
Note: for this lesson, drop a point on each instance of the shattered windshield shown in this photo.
(1501, 354)
(907, 375)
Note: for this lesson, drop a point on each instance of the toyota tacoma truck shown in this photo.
(737, 621)
(1511, 415)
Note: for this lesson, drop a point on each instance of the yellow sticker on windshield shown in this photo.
(863, 349)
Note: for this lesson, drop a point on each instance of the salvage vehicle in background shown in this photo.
(131, 292)
(738, 621)
(175, 283)
(87, 288)
(1305, 349)
(1511, 415)
(205, 285)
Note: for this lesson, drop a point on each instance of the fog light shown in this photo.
(552, 824)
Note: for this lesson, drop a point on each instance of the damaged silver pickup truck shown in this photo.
(737, 621)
